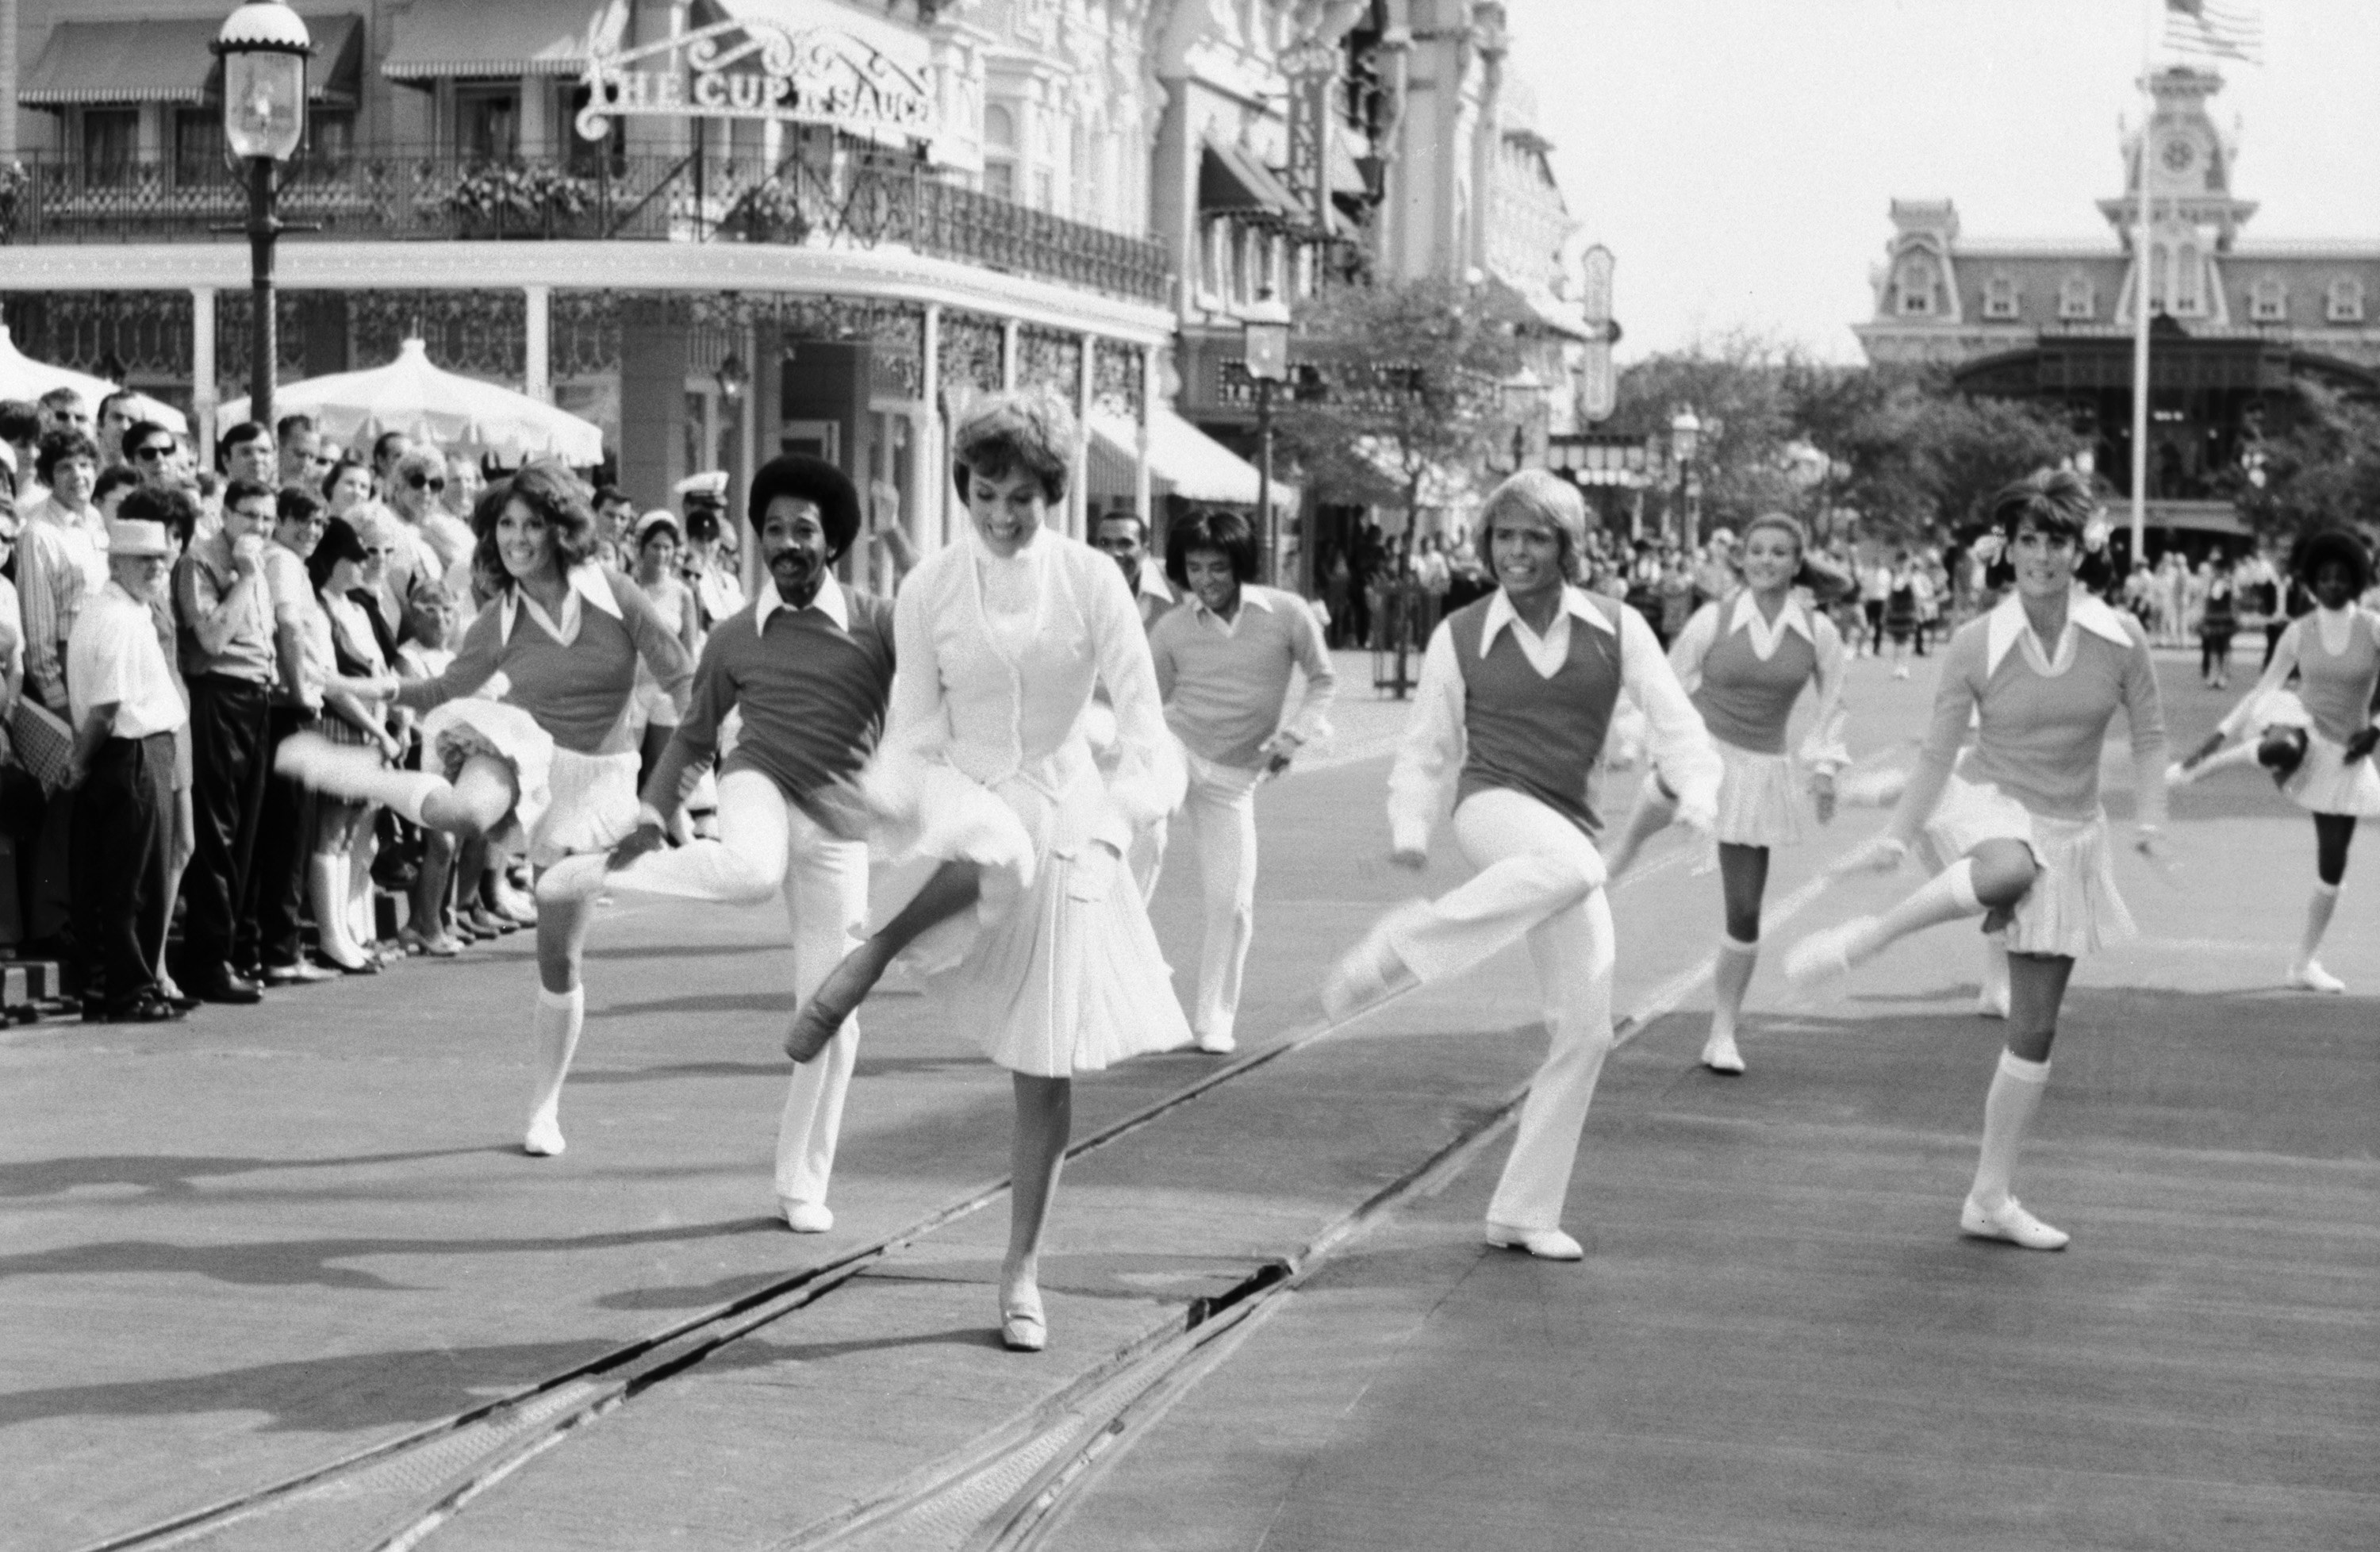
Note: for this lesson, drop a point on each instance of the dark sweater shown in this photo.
(812, 695)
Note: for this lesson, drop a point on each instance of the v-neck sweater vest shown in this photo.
(1746, 702)
(1529, 733)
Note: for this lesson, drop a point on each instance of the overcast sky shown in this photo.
(1738, 156)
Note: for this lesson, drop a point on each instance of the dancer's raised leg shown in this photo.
(953, 889)
(1995, 874)
(1045, 1119)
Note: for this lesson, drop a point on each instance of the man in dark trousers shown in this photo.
(228, 664)
(125, 711)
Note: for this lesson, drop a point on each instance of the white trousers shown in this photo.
(1540, 879)
(768, 846)
(1219, 810)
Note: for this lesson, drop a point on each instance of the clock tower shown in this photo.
(2192, 214)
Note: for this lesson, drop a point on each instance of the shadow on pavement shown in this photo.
(168, 1176)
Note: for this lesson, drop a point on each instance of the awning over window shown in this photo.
(441, 38)
(171, 61)
(1232, 181)
(1183, 461)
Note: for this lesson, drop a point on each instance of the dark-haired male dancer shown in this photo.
(809, 663)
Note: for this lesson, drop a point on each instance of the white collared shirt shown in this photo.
(1430, 756)
(1823, 746)
(1249, 596)
(2008, 625)
(113, 657)
(829, 601)
(587, 585)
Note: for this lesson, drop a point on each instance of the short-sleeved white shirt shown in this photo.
(114, 656)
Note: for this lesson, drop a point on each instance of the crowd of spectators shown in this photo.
(157, 857)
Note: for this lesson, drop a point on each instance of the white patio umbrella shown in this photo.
(459, 414)
(21, 377)
(140, 407)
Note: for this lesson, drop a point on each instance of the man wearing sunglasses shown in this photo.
(149, 448)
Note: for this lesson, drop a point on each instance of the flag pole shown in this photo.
(2143, 271)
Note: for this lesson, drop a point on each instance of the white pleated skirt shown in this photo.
(1761, 798)
(2325, 782)
(565, 803)
(2073, 907)
(1057, 970)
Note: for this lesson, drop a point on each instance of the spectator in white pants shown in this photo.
(1224, 663)
(809, 665)
(1517, 693)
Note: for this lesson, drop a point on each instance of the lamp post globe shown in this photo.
(1264, 340)
(263, 46)
(1685, 438)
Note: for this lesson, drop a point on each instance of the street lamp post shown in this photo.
(1265, 351)
(1686, 432)
(263, 46)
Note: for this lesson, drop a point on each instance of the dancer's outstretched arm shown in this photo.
(1429, 755)
(1826, 750)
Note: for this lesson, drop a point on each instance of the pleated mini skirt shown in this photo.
(2325, 782)
(1762, 799)
(564, 801)
(2073, 907)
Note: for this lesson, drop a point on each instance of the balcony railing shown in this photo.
(849, 201)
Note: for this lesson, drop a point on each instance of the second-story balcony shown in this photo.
(847, 202)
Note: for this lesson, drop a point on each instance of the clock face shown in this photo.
(2179, 155)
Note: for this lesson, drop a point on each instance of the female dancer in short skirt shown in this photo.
(2019, 817)
(1745, 660)
(985, 772)
(2317, 742)
(553, 763)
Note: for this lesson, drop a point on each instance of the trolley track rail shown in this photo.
(421, 1479)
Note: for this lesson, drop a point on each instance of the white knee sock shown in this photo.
(327, 895)
(2007, 1114)
(2319, 905)
(1729, 978)
(1947, 897)
(560, 1017)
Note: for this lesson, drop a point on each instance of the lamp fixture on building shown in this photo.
(263, 47)
(1264, 332)
(734, 378)
(1685, 439)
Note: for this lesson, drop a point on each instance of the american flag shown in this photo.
(2215, 29)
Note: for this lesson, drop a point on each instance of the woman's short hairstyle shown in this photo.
(1002, 433)
(1783, 522)
(1545, 497)
(330, 479)
(114, 477)
(2057, 503)
(548, 489)
(291, 505)
(1215, 529)
(660, 520)
(59, 446)
(2332, 546)
(170, 505)
(339, 542)
(816, 481)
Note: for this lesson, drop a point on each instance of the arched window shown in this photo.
(2077, 300)
(1999, 298)
(2346, 300)
(2188, 294)
(1000, 151)
(1915, 280)
(2269, 301)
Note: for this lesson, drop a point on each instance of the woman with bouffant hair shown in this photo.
(555, 763)
(1041, 945)
(2015, 820)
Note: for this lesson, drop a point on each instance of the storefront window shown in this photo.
(197, 145)
(487, 122)
(111, 140)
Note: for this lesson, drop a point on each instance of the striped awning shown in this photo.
(439, 38)
(97, 62)
(1183, 461)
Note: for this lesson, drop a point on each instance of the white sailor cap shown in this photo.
(711, 485)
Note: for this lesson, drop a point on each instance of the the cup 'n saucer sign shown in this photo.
(757, 67)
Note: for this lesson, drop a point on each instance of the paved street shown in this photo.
(247, 1248)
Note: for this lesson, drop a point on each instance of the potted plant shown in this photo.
(769, 212)
(513, 200)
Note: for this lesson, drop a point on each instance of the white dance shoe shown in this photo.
(805, 1218)
(1546, 1244)
(1370, 974)
(2311, 976)
(2010, 1222)
(1825, 954)
(316, 764)
(1217, 1042)
(1721, 1056)
(544, 1139)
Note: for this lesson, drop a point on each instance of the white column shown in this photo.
(926, 527)
(202, 370)
(536, 341)
(1142, 488)
(1008, 357)
(1080, 508)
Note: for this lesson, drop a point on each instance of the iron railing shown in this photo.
(849, 201)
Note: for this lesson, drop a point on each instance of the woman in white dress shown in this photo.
(985, 772)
